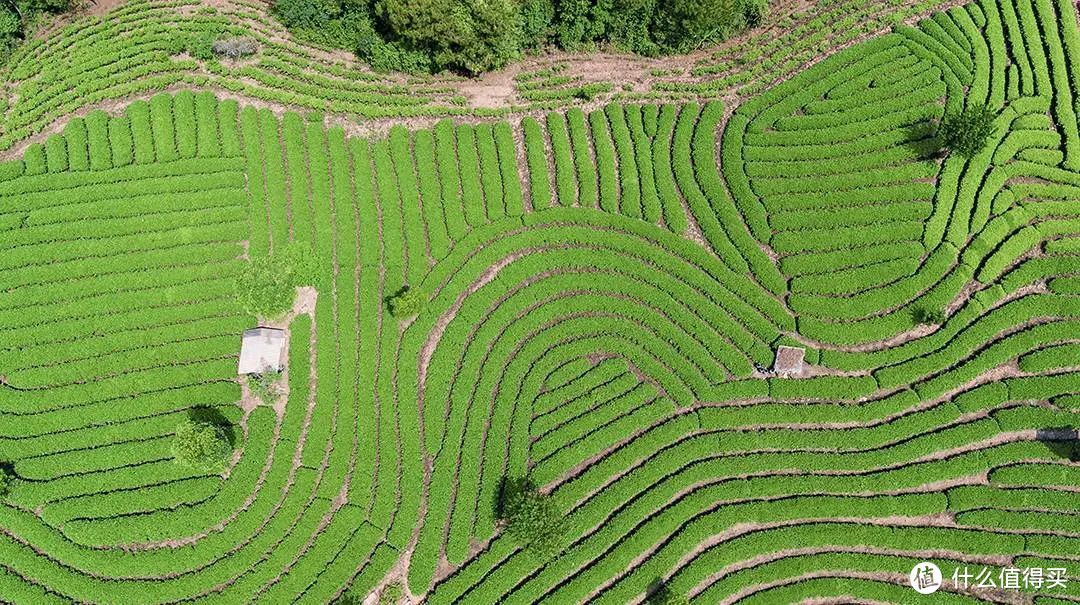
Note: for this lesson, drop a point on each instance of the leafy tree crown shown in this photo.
(200, 445)
(533, 519)
(407, 303)
(967, 132)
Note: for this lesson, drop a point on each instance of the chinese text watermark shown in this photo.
(926, 578)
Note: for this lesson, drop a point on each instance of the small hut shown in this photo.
(262, 350)
(789, 360)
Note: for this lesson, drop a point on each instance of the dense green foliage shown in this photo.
(928, 317)
(966, 133)
(265, 386)
(532, 518)
(391, 594)
(473, 37)
(407, 303)
(19, 17)
(267, 287)
(200, 445)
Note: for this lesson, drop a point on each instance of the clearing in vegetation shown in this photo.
(586, 303)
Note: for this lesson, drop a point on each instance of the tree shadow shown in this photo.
(1061, 441)
(921, 139)
(7, 474)
(204, 414)
(659, 593)
(389, 297)
(509, 486)
(498, 499)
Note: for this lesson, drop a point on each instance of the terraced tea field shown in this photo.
(604, 290)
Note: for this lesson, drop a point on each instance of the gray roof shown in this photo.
(261, 350)
(789, 360)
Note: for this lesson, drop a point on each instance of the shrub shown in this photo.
(348, 598)
(305, 14)
(967, 132)
(201, 45)
(10, 24)
(927, 316)
(200, 445)
(391, 594)
(407, 303)
(532, 519)
(390, 56)
(265, 386)
(264, 289)
(754, 12)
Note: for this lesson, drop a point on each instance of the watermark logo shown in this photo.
(925, 578)
(1011, 578)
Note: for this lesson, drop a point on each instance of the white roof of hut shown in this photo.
(262, 350)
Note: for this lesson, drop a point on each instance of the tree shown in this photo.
(532, 518)
(472, 36)
(967, 132)
(579, 22)
(536, 18)
(683, 25)
(10, 23)
(305, 14)
(268, 287)
(461, 35)
(407, 303)
(200, 445)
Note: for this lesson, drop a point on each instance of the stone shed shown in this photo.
(789, 360)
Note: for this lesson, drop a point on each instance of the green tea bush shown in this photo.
(391, 594)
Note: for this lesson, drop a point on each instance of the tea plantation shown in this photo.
(601, 289)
